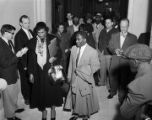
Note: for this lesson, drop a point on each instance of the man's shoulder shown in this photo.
(132, 35)
(114, 30)
(91, 49)
(116, 34)
(20, 33)
(73, 48)
(2, 43)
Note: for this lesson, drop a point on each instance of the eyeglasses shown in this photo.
(10, 32)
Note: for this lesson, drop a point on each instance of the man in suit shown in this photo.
(69, 21)
(119, 69)
(104, 56)
(8, 71)
(83, 64)
(21, 39)
(71, 31)
(97, 28)
(139, 93)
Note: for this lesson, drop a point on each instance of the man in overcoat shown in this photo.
(83, 64)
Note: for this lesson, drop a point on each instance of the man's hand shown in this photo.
(52, 59)
(118, 52)
(25, 68)
(22, 52)
(31, 78)
(3, 84)
(19, 54)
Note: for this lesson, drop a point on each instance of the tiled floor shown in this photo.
(108, 109)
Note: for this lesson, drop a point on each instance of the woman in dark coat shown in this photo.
(43, 51)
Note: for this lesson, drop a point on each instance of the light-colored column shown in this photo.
(151, 37)
(49, 14)
(43, 12)
(39, 11)
(138, 15)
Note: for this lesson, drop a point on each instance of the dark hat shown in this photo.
(139, 51)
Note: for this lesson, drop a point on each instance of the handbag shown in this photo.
(58, 76)
(56, 72)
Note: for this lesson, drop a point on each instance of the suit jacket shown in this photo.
(96, 31)
(21, 41)
(104, 39)
(71, 35)
(91, 41)
(118, 64)
(8, 63)
(70, 31)
(139, 92)
(82, 75)
(115, 42)
(67, 24)
(63, 42)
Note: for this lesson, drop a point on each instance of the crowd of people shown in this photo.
(64, 67)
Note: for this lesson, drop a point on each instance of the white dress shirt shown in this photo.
(76, 28)
(122, 39)
(81, 51)
(70, 22)
(29, 35)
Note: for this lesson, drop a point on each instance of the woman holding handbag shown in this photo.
(43, 52)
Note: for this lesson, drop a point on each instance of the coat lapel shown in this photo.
(24, 34)
(125, 44)
(117, 40)
(84, 55)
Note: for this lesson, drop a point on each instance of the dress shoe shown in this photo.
(73, 118)
(13, 118)
(19, 110)
(110, 96)
(43, 118)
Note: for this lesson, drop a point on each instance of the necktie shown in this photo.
(78, 56)
(29, 35)
(10, 44)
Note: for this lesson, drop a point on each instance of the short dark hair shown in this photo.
(125, 19)
(57, 26)
(82, 33)
(23, 16)
(109, 18)
(7, 28)
(39, 26)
